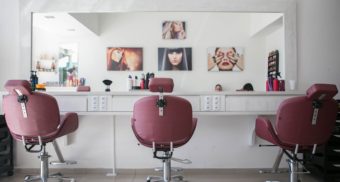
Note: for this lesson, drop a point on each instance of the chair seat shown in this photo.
(68, 124)
(165, 145)
(265, 130)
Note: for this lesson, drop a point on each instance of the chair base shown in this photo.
(293, 164)
(177, 178)
(44, 170)
(275, 168)
(294, 170)
(166, 170)
(57, 176)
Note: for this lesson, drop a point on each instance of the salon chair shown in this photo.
(163, 123)
(302, 123)
(34, 119)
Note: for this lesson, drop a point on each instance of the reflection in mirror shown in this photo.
(55, 55)
(68, 65)
(92, 33)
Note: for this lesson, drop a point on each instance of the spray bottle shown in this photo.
(33, 80)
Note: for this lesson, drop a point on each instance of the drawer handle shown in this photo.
(336, 165)
(336, 150)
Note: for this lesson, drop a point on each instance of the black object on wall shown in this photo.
(326, 161)
(6, 149)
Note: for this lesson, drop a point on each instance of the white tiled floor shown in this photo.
(242, 176)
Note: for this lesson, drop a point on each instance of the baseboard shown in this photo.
(147, 171)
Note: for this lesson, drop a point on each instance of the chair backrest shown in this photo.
(174, 126)
(42, 110)
(161, 85)
(308, 120)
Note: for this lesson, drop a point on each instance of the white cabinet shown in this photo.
(254, 103)
(72, 103)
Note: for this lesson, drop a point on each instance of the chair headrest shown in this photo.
(322, 91)
(23, 85)
(161, 85)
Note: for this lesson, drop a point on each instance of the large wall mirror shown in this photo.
(254, 31)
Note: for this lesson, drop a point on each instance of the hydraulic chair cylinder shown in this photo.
(293, 170)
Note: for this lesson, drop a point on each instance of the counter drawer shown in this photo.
(72, 103)
(126, 103)
(254, 103)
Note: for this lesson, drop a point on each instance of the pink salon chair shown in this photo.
(163, 122)
(33, 118)
(302, 123)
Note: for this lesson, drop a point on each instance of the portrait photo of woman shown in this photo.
(173, 30)
(172, 59)
(124, 58)
(225, 59)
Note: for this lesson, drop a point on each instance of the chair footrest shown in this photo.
(63, 163)
(183, 161)
(268, 171)
(161, 179)
(57, 176)
(174, 169)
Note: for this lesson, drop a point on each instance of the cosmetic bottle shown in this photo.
(135, 83)
(276, 84)
(33, 80)
(282, 85)
(142, 82)
(129, 83)
(146, 84)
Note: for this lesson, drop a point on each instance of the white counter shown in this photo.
(121, 103)
(106, 134)
(203, 103)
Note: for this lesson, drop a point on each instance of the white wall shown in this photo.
(318, 43)
(9, 41)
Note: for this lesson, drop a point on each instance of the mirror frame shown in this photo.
(286, 7)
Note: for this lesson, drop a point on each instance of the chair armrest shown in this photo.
(194, 124)
(68, 124)
(264, 129)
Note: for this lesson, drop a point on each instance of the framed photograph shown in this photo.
(124, 58)
(174, 30)
(174, 59)
(225, 59)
